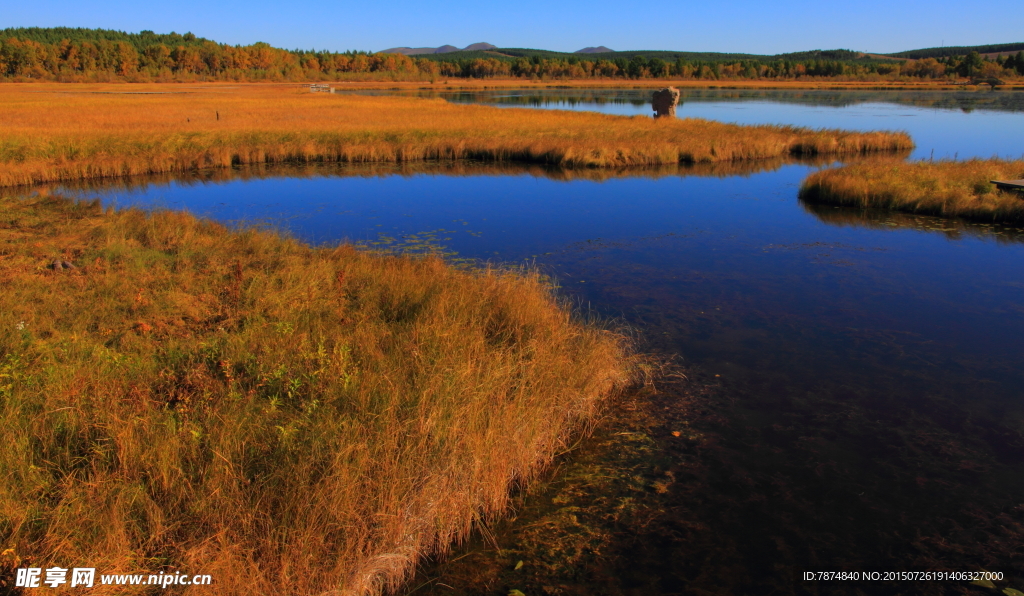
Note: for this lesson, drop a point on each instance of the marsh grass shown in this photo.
(291, 420)
(54, 133)
(945, 188)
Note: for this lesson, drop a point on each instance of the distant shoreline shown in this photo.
(515, 83)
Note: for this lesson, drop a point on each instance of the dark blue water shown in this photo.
(870, 366)
(741, 250)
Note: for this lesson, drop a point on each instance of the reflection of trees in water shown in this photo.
(545, 97)
(881, 219)
(953, 100)
(1007, 101)
(413, 168)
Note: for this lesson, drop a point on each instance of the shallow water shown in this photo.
(867, 409)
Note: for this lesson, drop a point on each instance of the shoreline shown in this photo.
(494, 83)
(53, 137)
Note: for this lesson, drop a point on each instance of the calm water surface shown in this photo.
(869, 366)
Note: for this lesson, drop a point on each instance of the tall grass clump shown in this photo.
(946, 188)
(288, 419)
(48, 134)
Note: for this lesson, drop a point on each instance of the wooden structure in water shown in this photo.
(1008, 184)
(320, 88)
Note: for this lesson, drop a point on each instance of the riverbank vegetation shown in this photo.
(946, 188)
(53, 132)
(97, 55)
(175, 396)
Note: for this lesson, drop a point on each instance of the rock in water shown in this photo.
(665, 101)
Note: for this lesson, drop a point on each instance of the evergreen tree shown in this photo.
(657, 66)
(636, 67)
(970, 65)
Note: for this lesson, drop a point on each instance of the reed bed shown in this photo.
(288, 419)
(55, 133)
(945, 188)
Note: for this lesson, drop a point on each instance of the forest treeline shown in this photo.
(97, 55)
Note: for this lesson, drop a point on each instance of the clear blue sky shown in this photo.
(753, 26)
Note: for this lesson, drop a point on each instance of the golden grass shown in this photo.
(54, 132)
(946, 188)
(290, 420)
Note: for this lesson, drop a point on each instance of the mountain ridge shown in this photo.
(603, 52)
(445, 49)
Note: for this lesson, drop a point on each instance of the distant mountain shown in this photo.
(597, 50)
(440, 50)
(409, 51)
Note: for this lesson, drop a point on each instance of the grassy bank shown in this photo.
(53, 132)
(287, 419)
(946, 188)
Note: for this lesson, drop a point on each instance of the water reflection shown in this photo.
(500, 211)
(462, 168)
(881, 219)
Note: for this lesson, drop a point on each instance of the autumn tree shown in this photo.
(127, 59)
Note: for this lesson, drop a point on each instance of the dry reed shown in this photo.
(290, 420)
(54, 133)
(946, 188)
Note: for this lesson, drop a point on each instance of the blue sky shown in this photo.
(751, 26)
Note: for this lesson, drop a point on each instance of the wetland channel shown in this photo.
(854, 391)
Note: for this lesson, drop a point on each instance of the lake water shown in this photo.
(864, 371)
